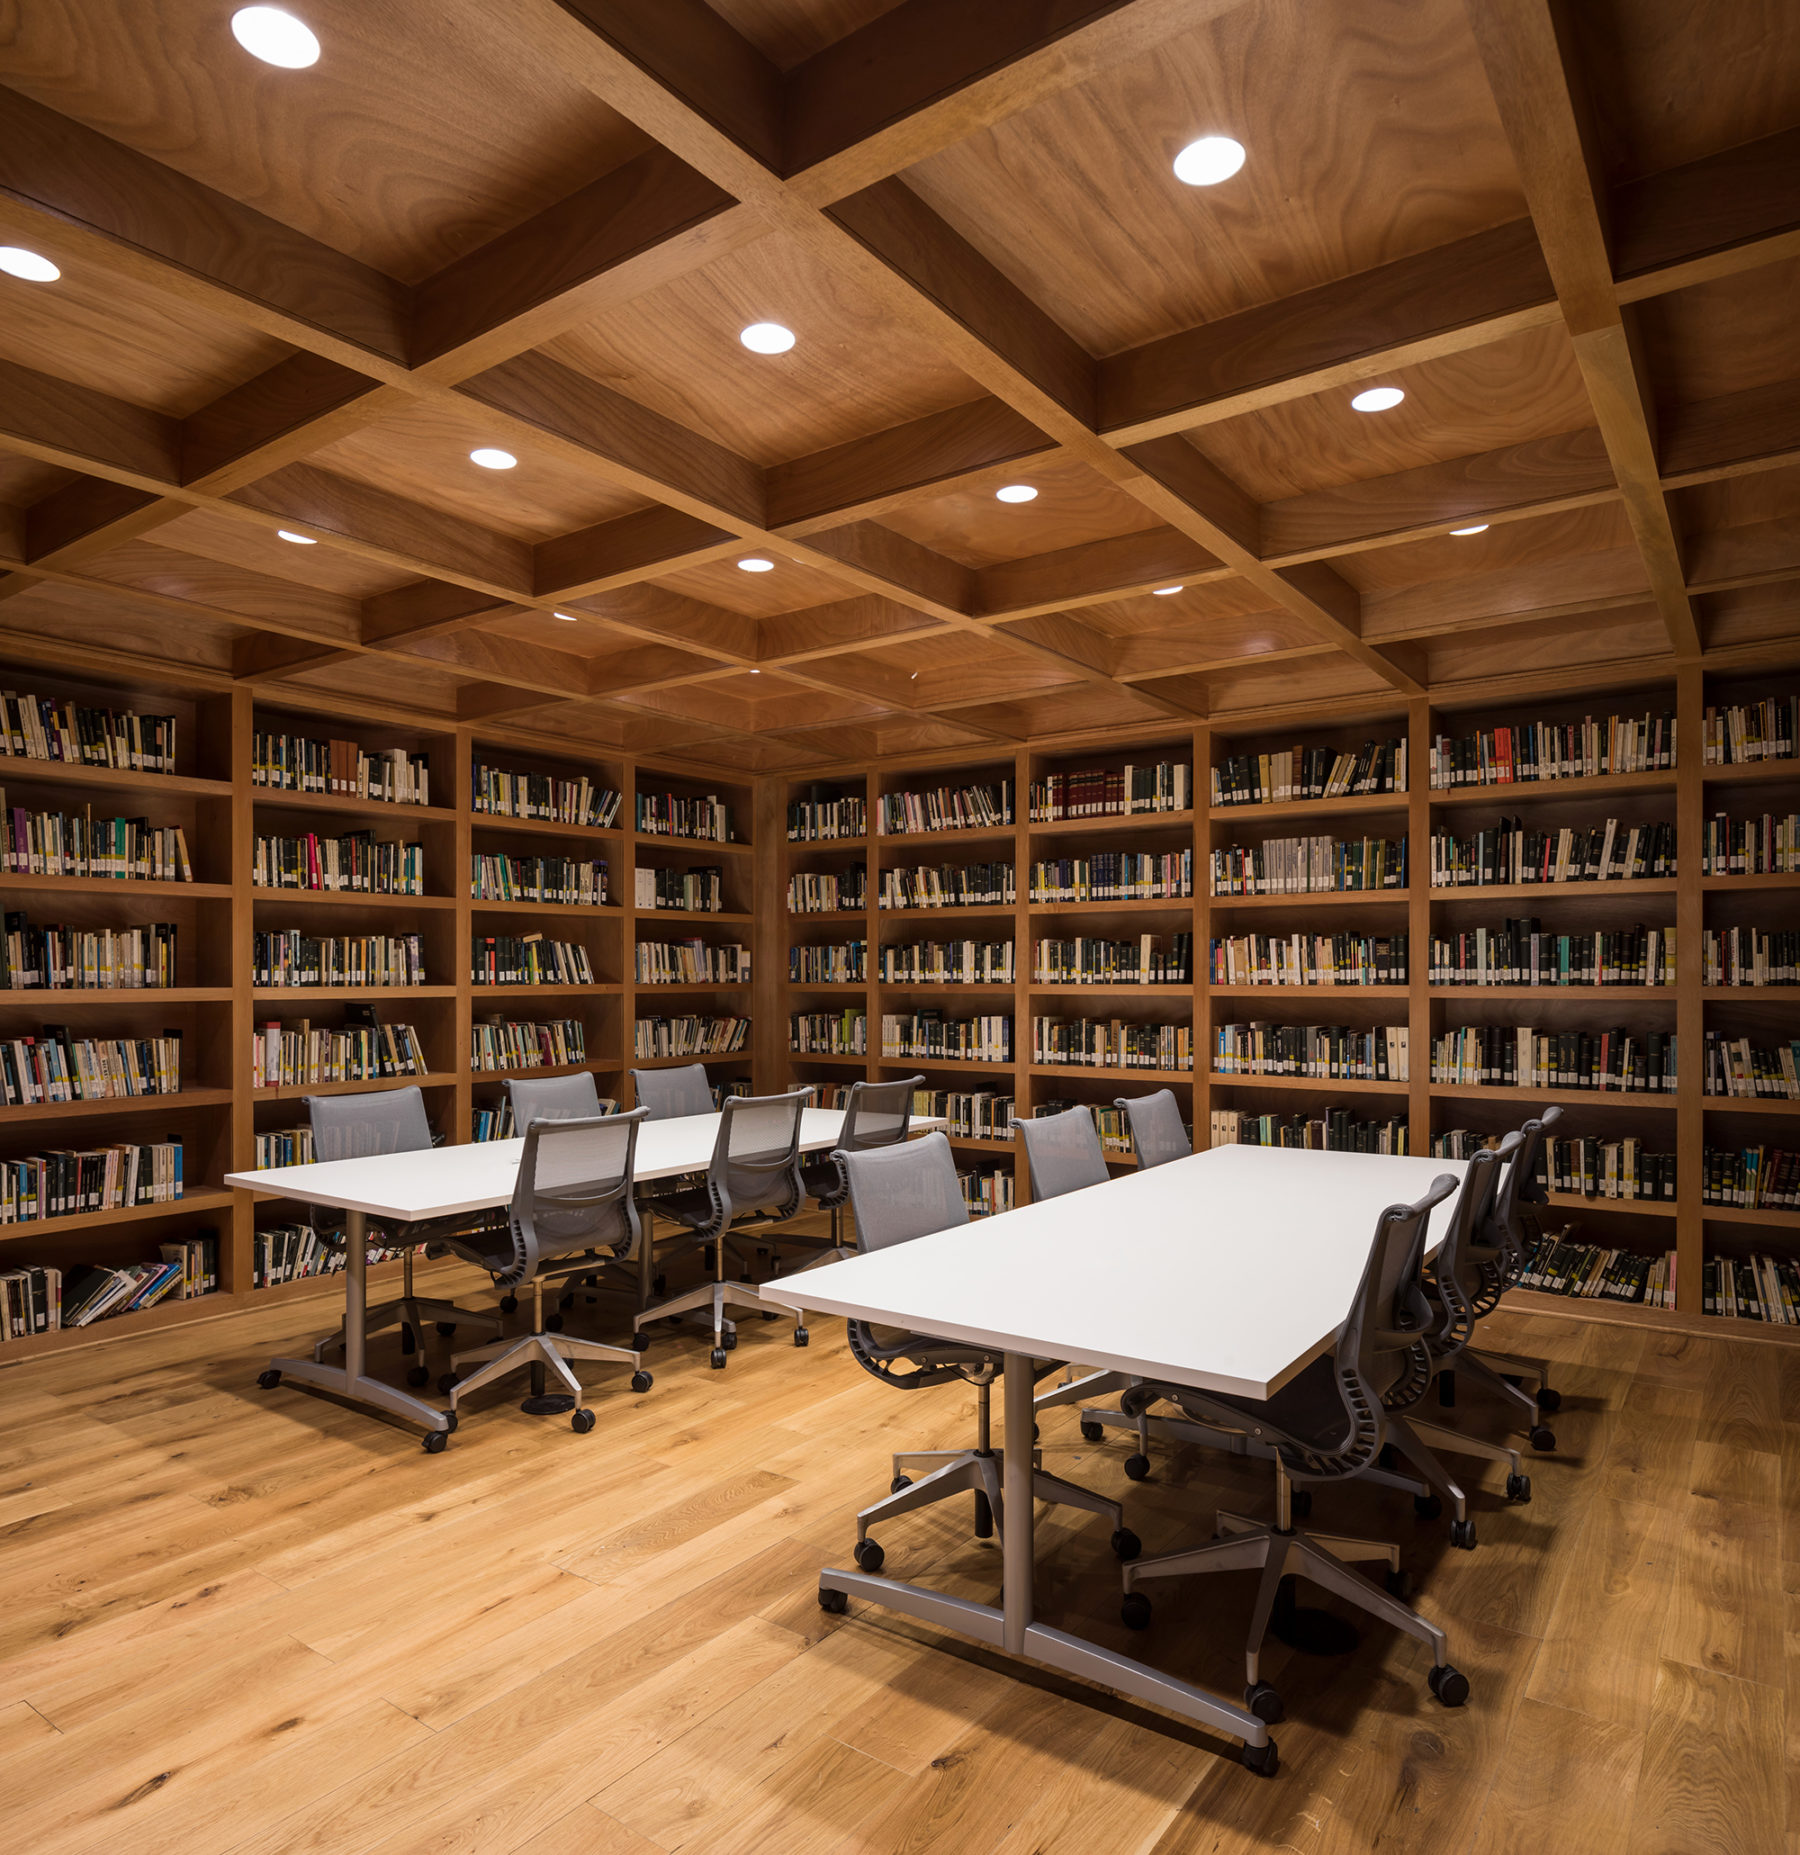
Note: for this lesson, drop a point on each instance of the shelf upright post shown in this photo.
(767, 936)
(629, 852)
(1690, 1009)
(1201, 929)
(235, 1246)
(871, 927)
(462, 937)
(1419, 721)
(1024, 1083)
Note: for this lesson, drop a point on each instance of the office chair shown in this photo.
(669, 1094)
(390, 1121)
(571, 1210)
(752, 1183)
(878, 1114)
(1328, 1424)
(1158, 1133)
(898, 1193)
(553, 1098)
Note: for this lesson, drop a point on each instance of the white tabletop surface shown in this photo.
(1229, 1271)
(448, 1180)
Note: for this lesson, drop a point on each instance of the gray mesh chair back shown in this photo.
(1505, 1233)
(574, 1190)
(1158, 1133)
(359, 1126)
(878, 1114)
(902, 1192)
(1063, 1151)
(552, 1098)
(1456, 1274)
(756, 1157)
(671, 1093)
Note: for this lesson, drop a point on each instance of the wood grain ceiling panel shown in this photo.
(1539, 541)
(791, 587)
(23, 480)
(788, 32)
(1727, 336)
(225, 538)
(1150, 612)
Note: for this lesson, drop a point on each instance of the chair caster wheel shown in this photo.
(1518, 1488)
(1300, 1503)
(436, 1442)
(718, 1359)
(835, 1602)
(1264, 1760)
(641, 1381)
(1399, 1583)
(1134, 1610)
(1543, 1438)
(509, 1304)
(1548, 1400)
(553, 1323)
(868, 1555)
(269, 1379)
(1450, 1685)
(802, 1337)
(1136, 1467)
(1427, 1506)
(899, 1483)
(1126, 1545)
(582, 1422)
(447, 1328)
(731, 1340)
(1462, 1534)
(418, 1375)
(770, 1314)
(1091, 1432)
(447, 1383)
(1265, 1703)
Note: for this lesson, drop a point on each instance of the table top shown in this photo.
(448, 1180)
(1229, 1271)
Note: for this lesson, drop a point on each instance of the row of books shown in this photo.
(1615, 1060)
(929, 1036)
(41, 728)
(1535, 751)
(685, 892)
(44, 1300)
(1741, 731)
(1741, 1068)
(1325, 1130)
(987, 1188)
(54, 956)
(1594, 1272)
(828, 1033)
(283, 1146)
(1757, 1287)
(1114, 876)
(1325, 1052)
(340, 769)
(1309, 865)
(1143, 960)
(690, 962)
(79, 844)
(529, 959)
(970, 885)
(59, 1066)
(568, 881)
(1587, 1167)
(847, 963)
(1111, 1043)
(1310, 959)
(689, 1036)
(1510, 852)
(972, 1114)
(1310, 773)
(298, 1055)
(499, 794)
(354, 862)
(667, 814)
(828, 892)
(70, 1182)
(1741, 956)
(1765, 846)
(819, 820)
(946, 808)
(287, 957)
(949, 962)
(1754, 1178)
(1112, 792)
(293, 1252)
(1519, 952)
(509, 1043)
(494, 1120)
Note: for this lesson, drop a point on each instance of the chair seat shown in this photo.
(824, 1182)
(1307, 1410)
(697, 1211)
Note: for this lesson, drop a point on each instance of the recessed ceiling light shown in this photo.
(756, 673)
(754, 563)
(767, 338)
(490, 459)
(1162, 592)
(1015, 492)
(1208, 161)
(274, 36)
(16, 261)
(570, 616)
(287, 534)
(1478, 528)
(1378, 399)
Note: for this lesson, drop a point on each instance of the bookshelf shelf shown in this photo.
(1594, 786)
(562, 911)
(1184, 989)
(1310, 1085)
(827, 1056)
(19, 768)
(1110, 1073)
(696, 985)
(298, 1091)
(28, 1113)
(1180, 905)
(973, 1145)
(340, 994)
(1636, 1207)
(845, 986)
(546, 827)
(1750, 884)
(828, 914)
(1753, 994)
(656, 840)
(1593, 994)
(1578, 1098)
(203, 1199)
(1745, 773)
(1307, 991)
(799, 846)
(12, 884)
(543, 1069)
(1321, 898)
(45, 998)
(1294, 810)
(349, 898)
(722, 917)
(1770, 1218)
(1113, 823)
(959, 1063)
(895, 917)
(1749, 1104)
(676, 1062)
(342, 805)
(552, 987)
(1547, 891)
(953, 988)
(970, 835)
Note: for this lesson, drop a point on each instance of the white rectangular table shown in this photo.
(1229, 1271)
(447, 1182)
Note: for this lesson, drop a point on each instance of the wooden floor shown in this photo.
(240, 1620)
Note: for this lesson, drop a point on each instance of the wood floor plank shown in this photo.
(1710, 1776)
(1725, 1612)
(1568, 1783)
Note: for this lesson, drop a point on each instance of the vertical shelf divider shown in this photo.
(1690, 1010)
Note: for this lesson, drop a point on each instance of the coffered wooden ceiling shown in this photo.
(298, 299)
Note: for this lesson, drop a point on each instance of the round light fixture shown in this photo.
(756, 673)
(16, 261)
(1378, 399)
(1162, 592)
(1015, 492)
(491, 459)
(767, 338)
(275, 36)
(1208, 161)
(287, 534)
(569, 616)
(1478, 528)
(754, 563)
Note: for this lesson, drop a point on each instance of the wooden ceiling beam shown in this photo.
(1120, 567)
(90, 517)
(281, 417)
(627, 549)
(863, 623)
(259, 657)
(426, 609)
(1735, 435)
(660, 616)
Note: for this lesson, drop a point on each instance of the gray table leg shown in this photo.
(1012, 1629)
(349, 1381)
